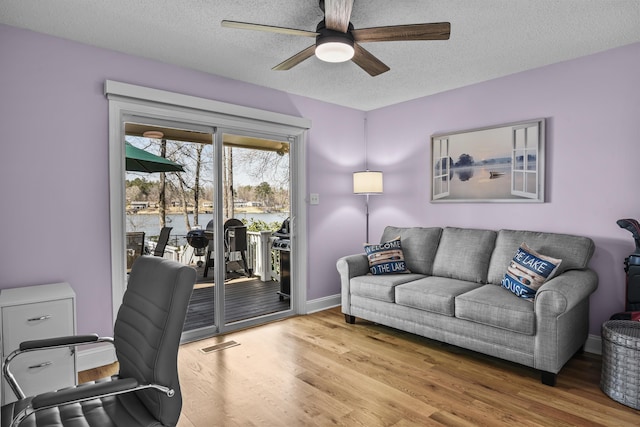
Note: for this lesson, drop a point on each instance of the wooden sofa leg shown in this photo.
(549, 378)
(350, 319)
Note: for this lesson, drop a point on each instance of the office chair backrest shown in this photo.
(162, 241)
(148, 328)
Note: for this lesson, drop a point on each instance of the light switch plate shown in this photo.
(314, 199)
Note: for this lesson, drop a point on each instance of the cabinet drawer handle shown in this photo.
(41, 365)
(37, 319)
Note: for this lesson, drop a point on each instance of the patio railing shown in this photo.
(261, 259)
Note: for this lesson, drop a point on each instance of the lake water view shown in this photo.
(150, 223)
(477, 182)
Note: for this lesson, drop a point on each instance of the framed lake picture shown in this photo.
(502, 163)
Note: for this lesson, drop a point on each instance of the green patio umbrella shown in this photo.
(139, 160)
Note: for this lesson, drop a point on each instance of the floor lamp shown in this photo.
(367, 183)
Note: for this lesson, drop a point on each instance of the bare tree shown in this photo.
(263, 165)
(162, 201)
(196, 185)
(227, 182)
(184, 201)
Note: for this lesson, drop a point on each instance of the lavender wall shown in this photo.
(54, 178)
(592, 106)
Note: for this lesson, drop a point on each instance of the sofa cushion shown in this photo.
(380, 287)
(419, 245)
(495, 306)
(386, 258)
(434, 294)
(527, 271)
(464, 254)
(574, 251)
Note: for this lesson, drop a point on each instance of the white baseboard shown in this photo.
(323, 303)
(95, 356)
(593, 344)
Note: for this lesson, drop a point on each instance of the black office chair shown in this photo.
(163, 239)
(147, 333)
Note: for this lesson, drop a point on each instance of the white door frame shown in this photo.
(127, 100)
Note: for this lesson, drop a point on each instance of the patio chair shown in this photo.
(235, 240)
(162, 241)
(135, 246)
(147, 333)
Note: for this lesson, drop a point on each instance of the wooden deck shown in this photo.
(245, 297)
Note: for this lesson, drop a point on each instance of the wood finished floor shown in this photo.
(316, 370)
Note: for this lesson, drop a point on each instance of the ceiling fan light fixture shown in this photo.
(334, 46)
(334, 51)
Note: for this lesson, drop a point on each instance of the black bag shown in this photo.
(632, 266)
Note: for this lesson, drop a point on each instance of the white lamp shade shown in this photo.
(367, 182)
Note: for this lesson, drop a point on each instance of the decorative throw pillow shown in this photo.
(528, 271)
(386, 258)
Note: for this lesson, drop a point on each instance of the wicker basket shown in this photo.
(620, 378)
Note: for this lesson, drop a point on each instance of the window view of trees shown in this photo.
(255, 182)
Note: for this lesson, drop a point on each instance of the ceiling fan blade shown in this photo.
(365, 60)
(288, 64)
(337, 14)
(433, 31)
(268, 28)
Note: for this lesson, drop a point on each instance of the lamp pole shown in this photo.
(367, 182)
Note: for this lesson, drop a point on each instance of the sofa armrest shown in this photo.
(565, 291)
(350, 266)
(353, 265)
(562, 318)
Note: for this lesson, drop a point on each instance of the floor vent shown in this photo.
(218, 347)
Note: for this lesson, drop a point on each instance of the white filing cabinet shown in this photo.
(36, 312)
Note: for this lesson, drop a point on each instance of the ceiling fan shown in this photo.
(338, 41)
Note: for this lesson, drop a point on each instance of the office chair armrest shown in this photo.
(83, 392)
(45, 344)
(71, 340)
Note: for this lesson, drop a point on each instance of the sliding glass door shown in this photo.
(219, 201)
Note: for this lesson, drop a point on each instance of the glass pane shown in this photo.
(436, 148)
(532, 160)
(517, 183)
(256, 203)
(440, 185)
(519, 160)
(519, 139)
(169, 200)
(532, 137)
(532, 184)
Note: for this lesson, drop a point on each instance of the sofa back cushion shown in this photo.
(419, 245)
(464, 254)
(574, 251)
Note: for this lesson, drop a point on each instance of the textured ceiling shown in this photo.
(489, 39)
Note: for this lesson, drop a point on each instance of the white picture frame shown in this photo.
(504, 164)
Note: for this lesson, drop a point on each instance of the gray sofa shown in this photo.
(453, 293)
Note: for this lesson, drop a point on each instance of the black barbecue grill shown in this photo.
(283, 237)
(198, 241)
(282, 243)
